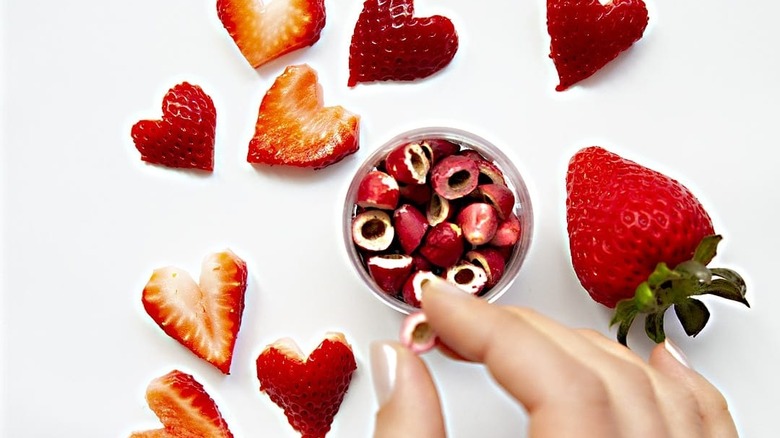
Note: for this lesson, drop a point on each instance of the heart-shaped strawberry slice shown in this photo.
(185, 135)
(295, 129)
(586, 34)
(184, 408)
(204, 318)
(265, 32)
(309, 390)
(390, 44)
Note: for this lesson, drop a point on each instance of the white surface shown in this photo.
(85, 221)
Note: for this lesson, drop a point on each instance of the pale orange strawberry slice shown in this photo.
(295, 129)
(184, 408)
(204, 318)
(265, 32)
(309, 389)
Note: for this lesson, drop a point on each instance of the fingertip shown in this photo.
(408, 402)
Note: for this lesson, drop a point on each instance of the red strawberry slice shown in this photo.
(184, 408)
(185, 135)
(294, 129)
(204, 318)
(309, 390)
(586, 34)
(641, 240)
(266, 32)
(390, 44)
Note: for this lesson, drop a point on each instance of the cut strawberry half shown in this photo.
(185, 135)
(295, 129)
(184, 408)
(309, 390)
(265, 32)
(204, 318)
(390, 44)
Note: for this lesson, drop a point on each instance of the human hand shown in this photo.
(553, 371)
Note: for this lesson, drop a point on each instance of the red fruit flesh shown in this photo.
(443, 245)
(408, 164)
(586, 34)
(508, 232)
(410, 227)
(185, 135)
(479, 222)
(390, 271)
(264, 32)
(623, 219)
(378, 190)
(412, 288)
(491, 261)
(455, 177)
(437, 148)
(295, 129)
(390, 44)
(309, 390)
(500, 197)
(203, 317)
(184, 408)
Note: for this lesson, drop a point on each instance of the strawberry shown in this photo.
(294, 129)
(390, 44)
(184, 408)
(309, 390)
(641, 241)
(586, 34)
(204, 318)
(265, 32)
(185, 136)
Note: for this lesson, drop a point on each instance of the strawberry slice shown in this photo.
(294, 129)
(265, 32)
(185, 135)
(390, 44)
(184, 408)
(586, 34)
(204, 318)
(309, 390)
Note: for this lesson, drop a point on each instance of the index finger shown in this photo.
(533, 368)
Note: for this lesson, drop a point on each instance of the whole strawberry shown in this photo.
(641, 241)
(390, 44)
(585, 35)
(184, 137)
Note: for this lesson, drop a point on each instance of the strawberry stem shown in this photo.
(666, 287)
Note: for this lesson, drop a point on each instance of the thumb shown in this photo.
(408, 401)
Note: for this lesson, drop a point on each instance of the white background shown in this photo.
(85, 221)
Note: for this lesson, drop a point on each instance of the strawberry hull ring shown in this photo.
(463, 214)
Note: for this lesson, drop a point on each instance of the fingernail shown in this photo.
(384, 369)
(676, 353)
(444, 287)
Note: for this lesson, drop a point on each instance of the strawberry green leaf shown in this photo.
(707, 249)
(731, 276)
(693, 315)
(726, 289)
(654, 326)
(625, 312)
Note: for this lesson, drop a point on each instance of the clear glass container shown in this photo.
(467, 140)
